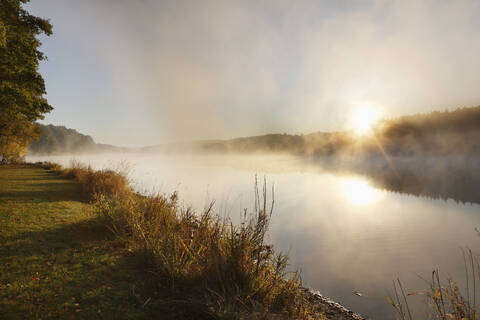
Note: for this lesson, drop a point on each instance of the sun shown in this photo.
(363, 118)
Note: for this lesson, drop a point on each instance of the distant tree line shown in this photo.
(449, 133)
(436, 133)
(22, 88)
(59, 139)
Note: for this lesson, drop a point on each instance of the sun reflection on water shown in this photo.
(359, 192)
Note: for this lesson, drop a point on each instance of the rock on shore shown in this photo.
(331, 309)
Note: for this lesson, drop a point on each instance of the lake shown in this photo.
(347, 230)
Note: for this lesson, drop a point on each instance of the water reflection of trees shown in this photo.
(433, 177)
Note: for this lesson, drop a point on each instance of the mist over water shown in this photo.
(346, 229)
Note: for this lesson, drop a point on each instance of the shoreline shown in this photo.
(330, 308)
(320, 306)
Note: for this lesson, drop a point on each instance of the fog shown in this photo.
(183, 70)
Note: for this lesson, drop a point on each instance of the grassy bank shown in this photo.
(78, 243)
(57, 260)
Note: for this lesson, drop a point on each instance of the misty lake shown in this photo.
(342, 230)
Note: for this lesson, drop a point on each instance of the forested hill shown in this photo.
(434, 134)
(437, 133)
(59, 139)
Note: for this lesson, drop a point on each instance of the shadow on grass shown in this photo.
(77, 235)
(78, 272)
(37, 185)
(49, 188)
(43, 175)
(38, 196)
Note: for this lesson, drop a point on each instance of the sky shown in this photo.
(145, 72)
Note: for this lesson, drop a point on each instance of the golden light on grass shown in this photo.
(359, 192)
(363, 118)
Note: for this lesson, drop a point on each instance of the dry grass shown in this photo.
(227, 267)
(445, 299)
(92, 182)
(201, 259)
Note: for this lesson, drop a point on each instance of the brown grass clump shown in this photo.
(204, 258)
(93, 182)
(103, 182)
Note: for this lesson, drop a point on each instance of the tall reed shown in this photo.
(445, 300)
(229, 267)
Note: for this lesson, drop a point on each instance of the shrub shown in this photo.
(93, 182)
(103, 182)
(47, 165)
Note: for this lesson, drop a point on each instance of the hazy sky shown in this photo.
(142, 72)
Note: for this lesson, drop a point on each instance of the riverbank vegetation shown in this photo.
(445, 299)
(197, 266)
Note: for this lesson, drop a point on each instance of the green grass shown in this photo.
(56, 261)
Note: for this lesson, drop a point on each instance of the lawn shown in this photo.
(57, 261)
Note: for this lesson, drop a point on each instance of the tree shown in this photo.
(22, 88)
(15, 136)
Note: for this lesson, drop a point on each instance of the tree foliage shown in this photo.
(22, 88)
